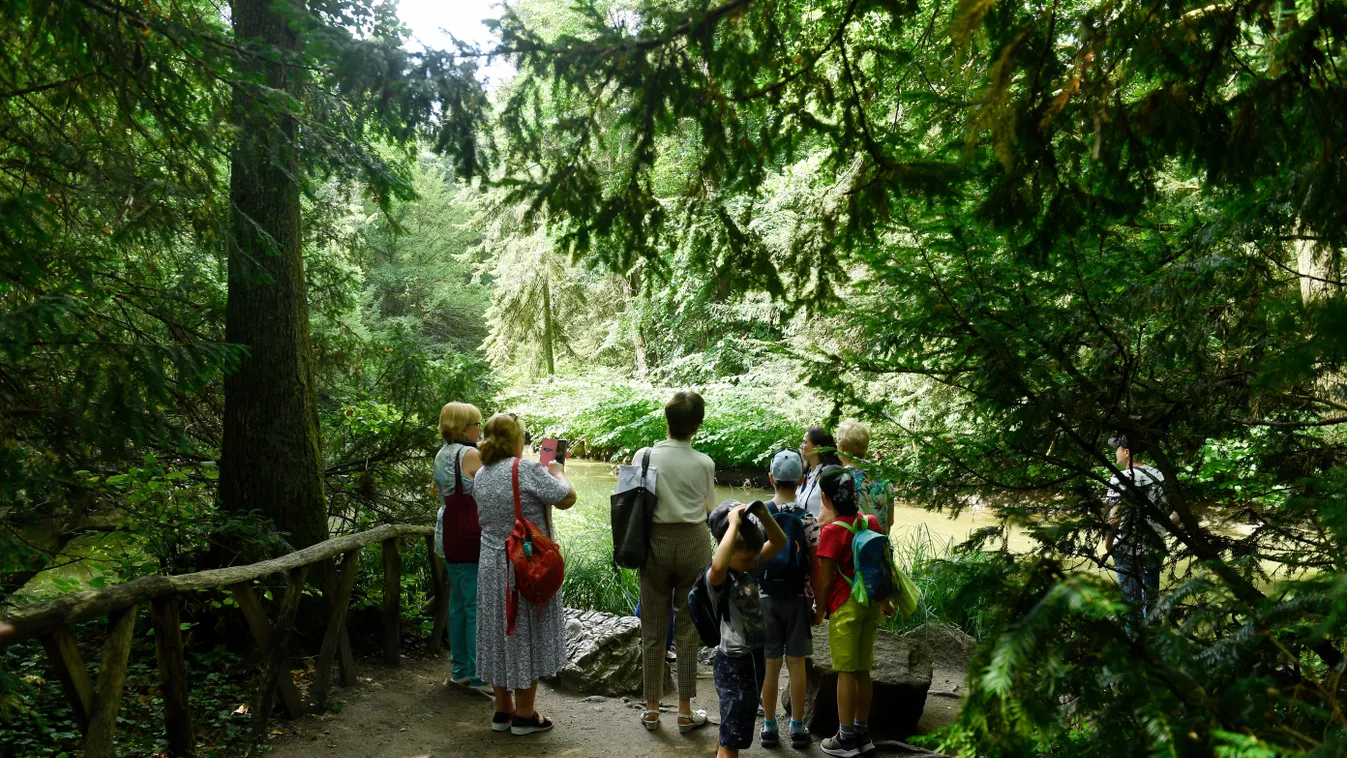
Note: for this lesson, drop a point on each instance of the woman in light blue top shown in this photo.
(458, 536)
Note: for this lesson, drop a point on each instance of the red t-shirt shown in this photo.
(834, 543)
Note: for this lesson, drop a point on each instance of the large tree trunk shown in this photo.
(549, 335)
(638, 348)
(270, 460)
(633, 286)
(1317, 272)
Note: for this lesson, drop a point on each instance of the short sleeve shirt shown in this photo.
(872, 493)
(742, 627)
(685, 482)
(835, 544)
(1139, 533)
(493, 490)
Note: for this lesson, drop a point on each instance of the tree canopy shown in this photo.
(1065, 221)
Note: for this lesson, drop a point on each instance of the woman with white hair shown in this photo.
(872, 493)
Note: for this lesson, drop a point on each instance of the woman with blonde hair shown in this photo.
(872, 493)
(537, 648)
(458, 538)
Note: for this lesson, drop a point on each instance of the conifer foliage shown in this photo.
(1068, 220)
(122, 249)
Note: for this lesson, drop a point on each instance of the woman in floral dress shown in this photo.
(514, 663)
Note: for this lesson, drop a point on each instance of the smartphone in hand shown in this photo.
(552, 450)
(547, 451)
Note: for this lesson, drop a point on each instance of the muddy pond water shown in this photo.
(595, 482)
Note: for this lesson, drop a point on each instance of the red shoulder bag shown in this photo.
(538, 567)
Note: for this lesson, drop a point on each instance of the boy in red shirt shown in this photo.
(853, 627)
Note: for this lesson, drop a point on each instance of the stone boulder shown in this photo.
(603, 653)
(902, 676)
(949, 647)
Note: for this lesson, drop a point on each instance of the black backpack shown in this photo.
(785, 574)
(706, 614)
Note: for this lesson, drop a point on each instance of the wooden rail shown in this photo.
(95, 703)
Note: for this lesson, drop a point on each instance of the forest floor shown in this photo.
(408, 712)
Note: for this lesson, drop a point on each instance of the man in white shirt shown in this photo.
(680, 548)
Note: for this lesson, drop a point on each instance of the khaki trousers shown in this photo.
(678, 555)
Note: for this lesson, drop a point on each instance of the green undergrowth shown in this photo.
(36, 721)
(610, 418)
(953, 580)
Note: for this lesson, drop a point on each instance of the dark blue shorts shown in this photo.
(739, 685)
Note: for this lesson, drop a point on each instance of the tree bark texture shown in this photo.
(270, 460)
(549, 335)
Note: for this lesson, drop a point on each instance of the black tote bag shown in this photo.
(633, 511)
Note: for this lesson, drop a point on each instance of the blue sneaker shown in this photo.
(770, 735)
(799, 736)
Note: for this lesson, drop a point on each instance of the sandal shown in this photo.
(695, 720)
(500, 722)
(649, 723)
(520, 727)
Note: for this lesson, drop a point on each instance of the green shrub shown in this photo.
(35, 719)
(954, 581)
(594, 582)
(606, 417)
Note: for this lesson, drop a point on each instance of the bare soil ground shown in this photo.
(408, 712)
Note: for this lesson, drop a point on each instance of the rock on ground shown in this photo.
(604, 654)
(948, 646)
(902, 676)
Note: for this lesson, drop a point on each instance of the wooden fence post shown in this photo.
(277, 662)
(392, 602)
(247, 601)
(339, 602)
(173, 676)
(64, 656)
(439, 579)
(345, 659)
(111, 682)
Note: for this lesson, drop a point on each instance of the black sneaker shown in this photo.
(520, 727)
(840, 746)
(864, 743)
(770, 736)
(799, 738)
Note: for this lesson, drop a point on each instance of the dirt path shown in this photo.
(408, 712)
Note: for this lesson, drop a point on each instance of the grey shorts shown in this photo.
(788, 625)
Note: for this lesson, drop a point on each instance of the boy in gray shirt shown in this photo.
(733, 584)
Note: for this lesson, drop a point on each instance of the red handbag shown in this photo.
(538, 567)
(461, 531)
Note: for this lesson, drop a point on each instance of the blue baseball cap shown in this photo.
(787, 466)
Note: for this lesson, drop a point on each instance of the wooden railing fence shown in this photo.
(96, 703)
